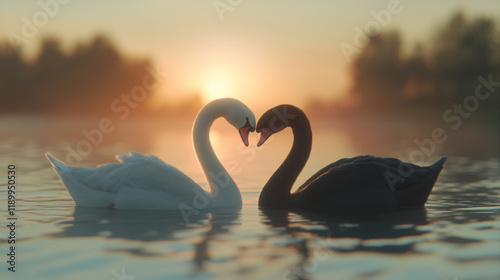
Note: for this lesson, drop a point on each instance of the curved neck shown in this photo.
(277, 190)
(222, 186)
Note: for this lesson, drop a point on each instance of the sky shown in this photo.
(263, 52)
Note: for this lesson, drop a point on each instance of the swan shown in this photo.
(146, 182)
(362, 183)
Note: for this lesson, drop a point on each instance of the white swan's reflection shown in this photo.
(151, 226)
(143, 225)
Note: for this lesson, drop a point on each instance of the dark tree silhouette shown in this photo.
(462, 50)
(418, 84)
(14, 72)
(377, 73)
(386, 81)
(82, 82)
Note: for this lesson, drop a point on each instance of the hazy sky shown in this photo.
(263, 52)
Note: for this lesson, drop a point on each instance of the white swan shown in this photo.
(146, 182)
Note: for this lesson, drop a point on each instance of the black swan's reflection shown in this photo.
(354, 225)
(368, 232)
(151, 226)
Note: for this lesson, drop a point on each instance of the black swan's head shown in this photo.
(277, 119)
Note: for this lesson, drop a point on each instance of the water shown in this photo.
(457, 236)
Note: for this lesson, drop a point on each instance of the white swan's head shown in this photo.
(237, 114)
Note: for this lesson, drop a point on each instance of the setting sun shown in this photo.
(216, 87)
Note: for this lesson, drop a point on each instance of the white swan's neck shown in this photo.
(223, 189)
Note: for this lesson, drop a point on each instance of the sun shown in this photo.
(216, 87)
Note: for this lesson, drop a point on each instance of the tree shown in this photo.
(461, 51)
(377, 73)
(83, 81)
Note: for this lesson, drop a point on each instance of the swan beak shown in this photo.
(264, 135)
(244, 131)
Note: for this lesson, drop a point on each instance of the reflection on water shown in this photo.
(138, 225)
(457, 236)
(149, 226)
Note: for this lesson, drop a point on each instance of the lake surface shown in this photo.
(457, 236)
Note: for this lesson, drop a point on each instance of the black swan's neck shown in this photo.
(276, 192)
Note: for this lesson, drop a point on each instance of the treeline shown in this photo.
(93, 78)
(433, 77)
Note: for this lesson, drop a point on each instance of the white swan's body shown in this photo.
(146, 182)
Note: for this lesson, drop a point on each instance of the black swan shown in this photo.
(362, 183)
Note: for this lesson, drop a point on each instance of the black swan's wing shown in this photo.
(368, 183)
(342, 162)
